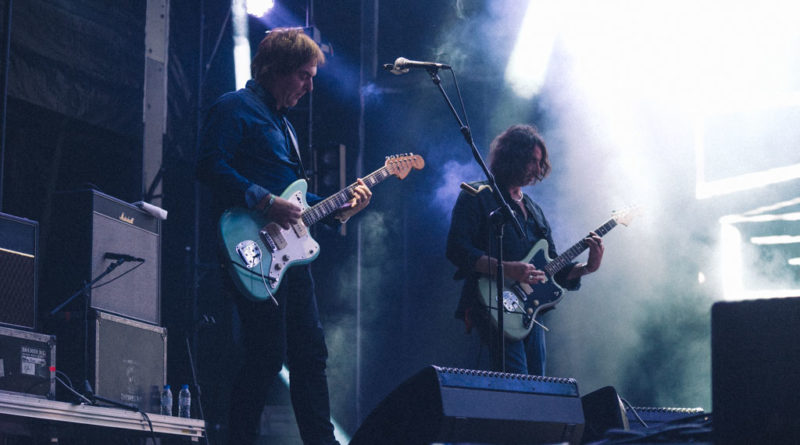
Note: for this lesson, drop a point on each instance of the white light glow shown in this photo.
(744, 182)
(241, 43)
(731, 245)
(527, 66)
(259, 8)
(784, 102)
(777, 239)
(732, 219)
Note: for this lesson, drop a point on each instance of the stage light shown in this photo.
(259, 8)
(527, 65)
(241, 42)
(731, 245)
(772, 249)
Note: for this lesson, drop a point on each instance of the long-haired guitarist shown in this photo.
(249, 155)
(517, 158)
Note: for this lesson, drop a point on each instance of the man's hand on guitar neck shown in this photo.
(596, 249)
(279, 210)
(361, 197)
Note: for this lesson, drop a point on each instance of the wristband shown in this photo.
(269, 203)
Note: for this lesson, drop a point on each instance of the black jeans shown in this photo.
(271, 334)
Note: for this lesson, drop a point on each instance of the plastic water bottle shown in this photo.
(166, 401)
(184, 402)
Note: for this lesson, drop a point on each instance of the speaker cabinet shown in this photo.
(461, 405)
(755, 371)
(19, 245)
(86, 225)
(125, 360)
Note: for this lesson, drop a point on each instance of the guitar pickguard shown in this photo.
(288, 246)
(522, 302)
(261, 251)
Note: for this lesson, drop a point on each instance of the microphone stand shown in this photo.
(88, 285)
(85, 292)
(499, 217)
(204, 320)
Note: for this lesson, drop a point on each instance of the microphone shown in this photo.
(402, 65)
(123, 257)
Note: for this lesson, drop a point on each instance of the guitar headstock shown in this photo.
(401, 165)
(625, 215)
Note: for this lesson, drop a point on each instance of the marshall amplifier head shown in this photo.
(89, 231)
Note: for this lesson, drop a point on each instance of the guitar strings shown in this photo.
(312, 211)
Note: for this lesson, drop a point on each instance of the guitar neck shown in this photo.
(570, 254)
(334, 202)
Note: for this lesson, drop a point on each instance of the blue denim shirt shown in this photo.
(468, 240)
(246, 150)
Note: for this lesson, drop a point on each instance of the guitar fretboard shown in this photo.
(334, 202)
(567, 257)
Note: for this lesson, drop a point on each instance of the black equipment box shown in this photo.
(126, 359)
(755, 371)
(27, 362)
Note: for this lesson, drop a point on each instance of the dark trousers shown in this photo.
(291, 332)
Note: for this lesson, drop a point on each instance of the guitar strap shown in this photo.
(296, 148)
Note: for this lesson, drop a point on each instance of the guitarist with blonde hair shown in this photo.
(248, 156)
(517, 158)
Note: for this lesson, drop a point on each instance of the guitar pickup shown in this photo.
(273, 238)
(300, 230)
(522, 290)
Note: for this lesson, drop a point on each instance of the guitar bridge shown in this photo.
(511, 302)
(249, 252)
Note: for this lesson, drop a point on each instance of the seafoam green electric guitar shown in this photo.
(260, 251)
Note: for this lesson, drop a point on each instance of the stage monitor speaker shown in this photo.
(755, 371)
(462, 405)
(19, 245)
(658, 417)
(87, 225)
